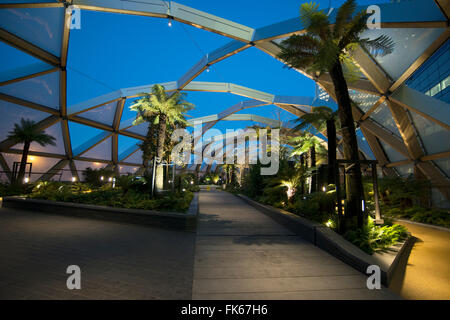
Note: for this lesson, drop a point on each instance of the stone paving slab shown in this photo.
(243, 254)
(117, 261)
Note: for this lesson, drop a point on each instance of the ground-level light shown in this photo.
(26, 180)
(74, 179)
(110, 179)
(101, 178)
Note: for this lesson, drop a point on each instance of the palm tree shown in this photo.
(305, 143)
(163, 110)
(27, 132)
(321, 119)
(325, 48)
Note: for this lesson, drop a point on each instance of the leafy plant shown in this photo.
(372, 238)
(93, 177)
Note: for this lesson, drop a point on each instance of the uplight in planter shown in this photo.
(26, 180)
(74, 179)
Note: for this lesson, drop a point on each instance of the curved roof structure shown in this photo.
(404, 127)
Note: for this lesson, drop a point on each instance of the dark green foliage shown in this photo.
(408, 199)
(93, 176)
(372, 238)
(15, 189)
(317, 206)
(106, 196)
(253, 184)
(420, 214)
(187, 181)
(403, 193)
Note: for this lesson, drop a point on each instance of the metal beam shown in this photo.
(115, 148)
(428, 107)
(378, 152)
(66, 138)
(406, 129)
(28, 76)
(421, 60)
(380, 132)
(373, 108)
(54, 170)
(118, 114)
(31, 5)
(28, 104)
(224, 52)
(371, 70)
(172, 10)
(91, 143)
(39, 154)
(436, 177)
(5, 167)
(29, 48)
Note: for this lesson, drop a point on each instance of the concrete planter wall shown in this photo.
(169, 220)
(336, 245)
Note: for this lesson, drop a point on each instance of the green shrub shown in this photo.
(372, 238)
(15, 189)
(419, 214)
(318, 206)
(107, 196)
(93, 176)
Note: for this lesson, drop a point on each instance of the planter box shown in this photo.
(336, 245)
(169, 220)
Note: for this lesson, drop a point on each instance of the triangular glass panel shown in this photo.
(40, 26)
(405, 170)
(42, 90)
(364, 100)
(364, 145)
(135, 157)
(56, 132)
(444, 165)
(80, 134)
(19, 63)
(102, 151)
(410, 43)
(383, 116)
(434, 137)
(126, 142)
(140, 129)
(83, 165)
(391, 153)
(12, 113)
(40, 165)
(63, 175)
(104, 114)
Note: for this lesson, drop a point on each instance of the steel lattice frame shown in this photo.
(399, 98)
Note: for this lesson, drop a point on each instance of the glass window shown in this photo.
(435, 90)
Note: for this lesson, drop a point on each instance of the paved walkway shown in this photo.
(427, 274)
(243, 254)
(117, 261)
